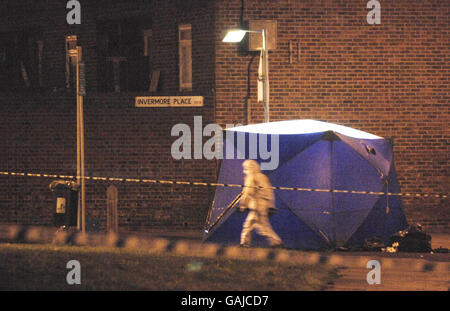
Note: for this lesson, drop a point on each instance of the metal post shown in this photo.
(80, 148)
(265, 77)
(82, 177)
(79, 223)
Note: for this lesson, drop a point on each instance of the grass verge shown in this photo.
(43, 267)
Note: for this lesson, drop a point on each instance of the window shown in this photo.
(185, 56)
(123, 50)
(21, 61)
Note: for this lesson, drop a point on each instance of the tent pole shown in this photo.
(208, 218)
(230, 206)
(79, 224)
(387, 195)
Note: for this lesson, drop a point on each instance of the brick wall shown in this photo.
(38, 132)
(390, 79)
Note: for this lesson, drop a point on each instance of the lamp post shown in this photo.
(76, 54)
(237, 35)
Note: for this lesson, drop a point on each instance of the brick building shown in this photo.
(329, 64)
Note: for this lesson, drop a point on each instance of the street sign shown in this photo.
(169, 101)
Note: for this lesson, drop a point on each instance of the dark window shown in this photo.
(123, 50)
(185, 56)
(20, 61)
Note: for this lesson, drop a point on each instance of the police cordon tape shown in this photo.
(209, 184)
(161, 246)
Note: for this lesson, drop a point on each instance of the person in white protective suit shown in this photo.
(258, 202)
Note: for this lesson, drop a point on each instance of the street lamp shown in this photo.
(236, 35)
(75, 53)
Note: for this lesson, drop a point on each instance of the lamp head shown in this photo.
(235, 35)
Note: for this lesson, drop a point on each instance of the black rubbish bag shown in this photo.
(373, 244)
(412, 240)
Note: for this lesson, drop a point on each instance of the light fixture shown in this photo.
(235, 35)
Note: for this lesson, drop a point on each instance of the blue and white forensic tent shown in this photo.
(311, 155)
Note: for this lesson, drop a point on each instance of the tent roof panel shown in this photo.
(302, 127)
